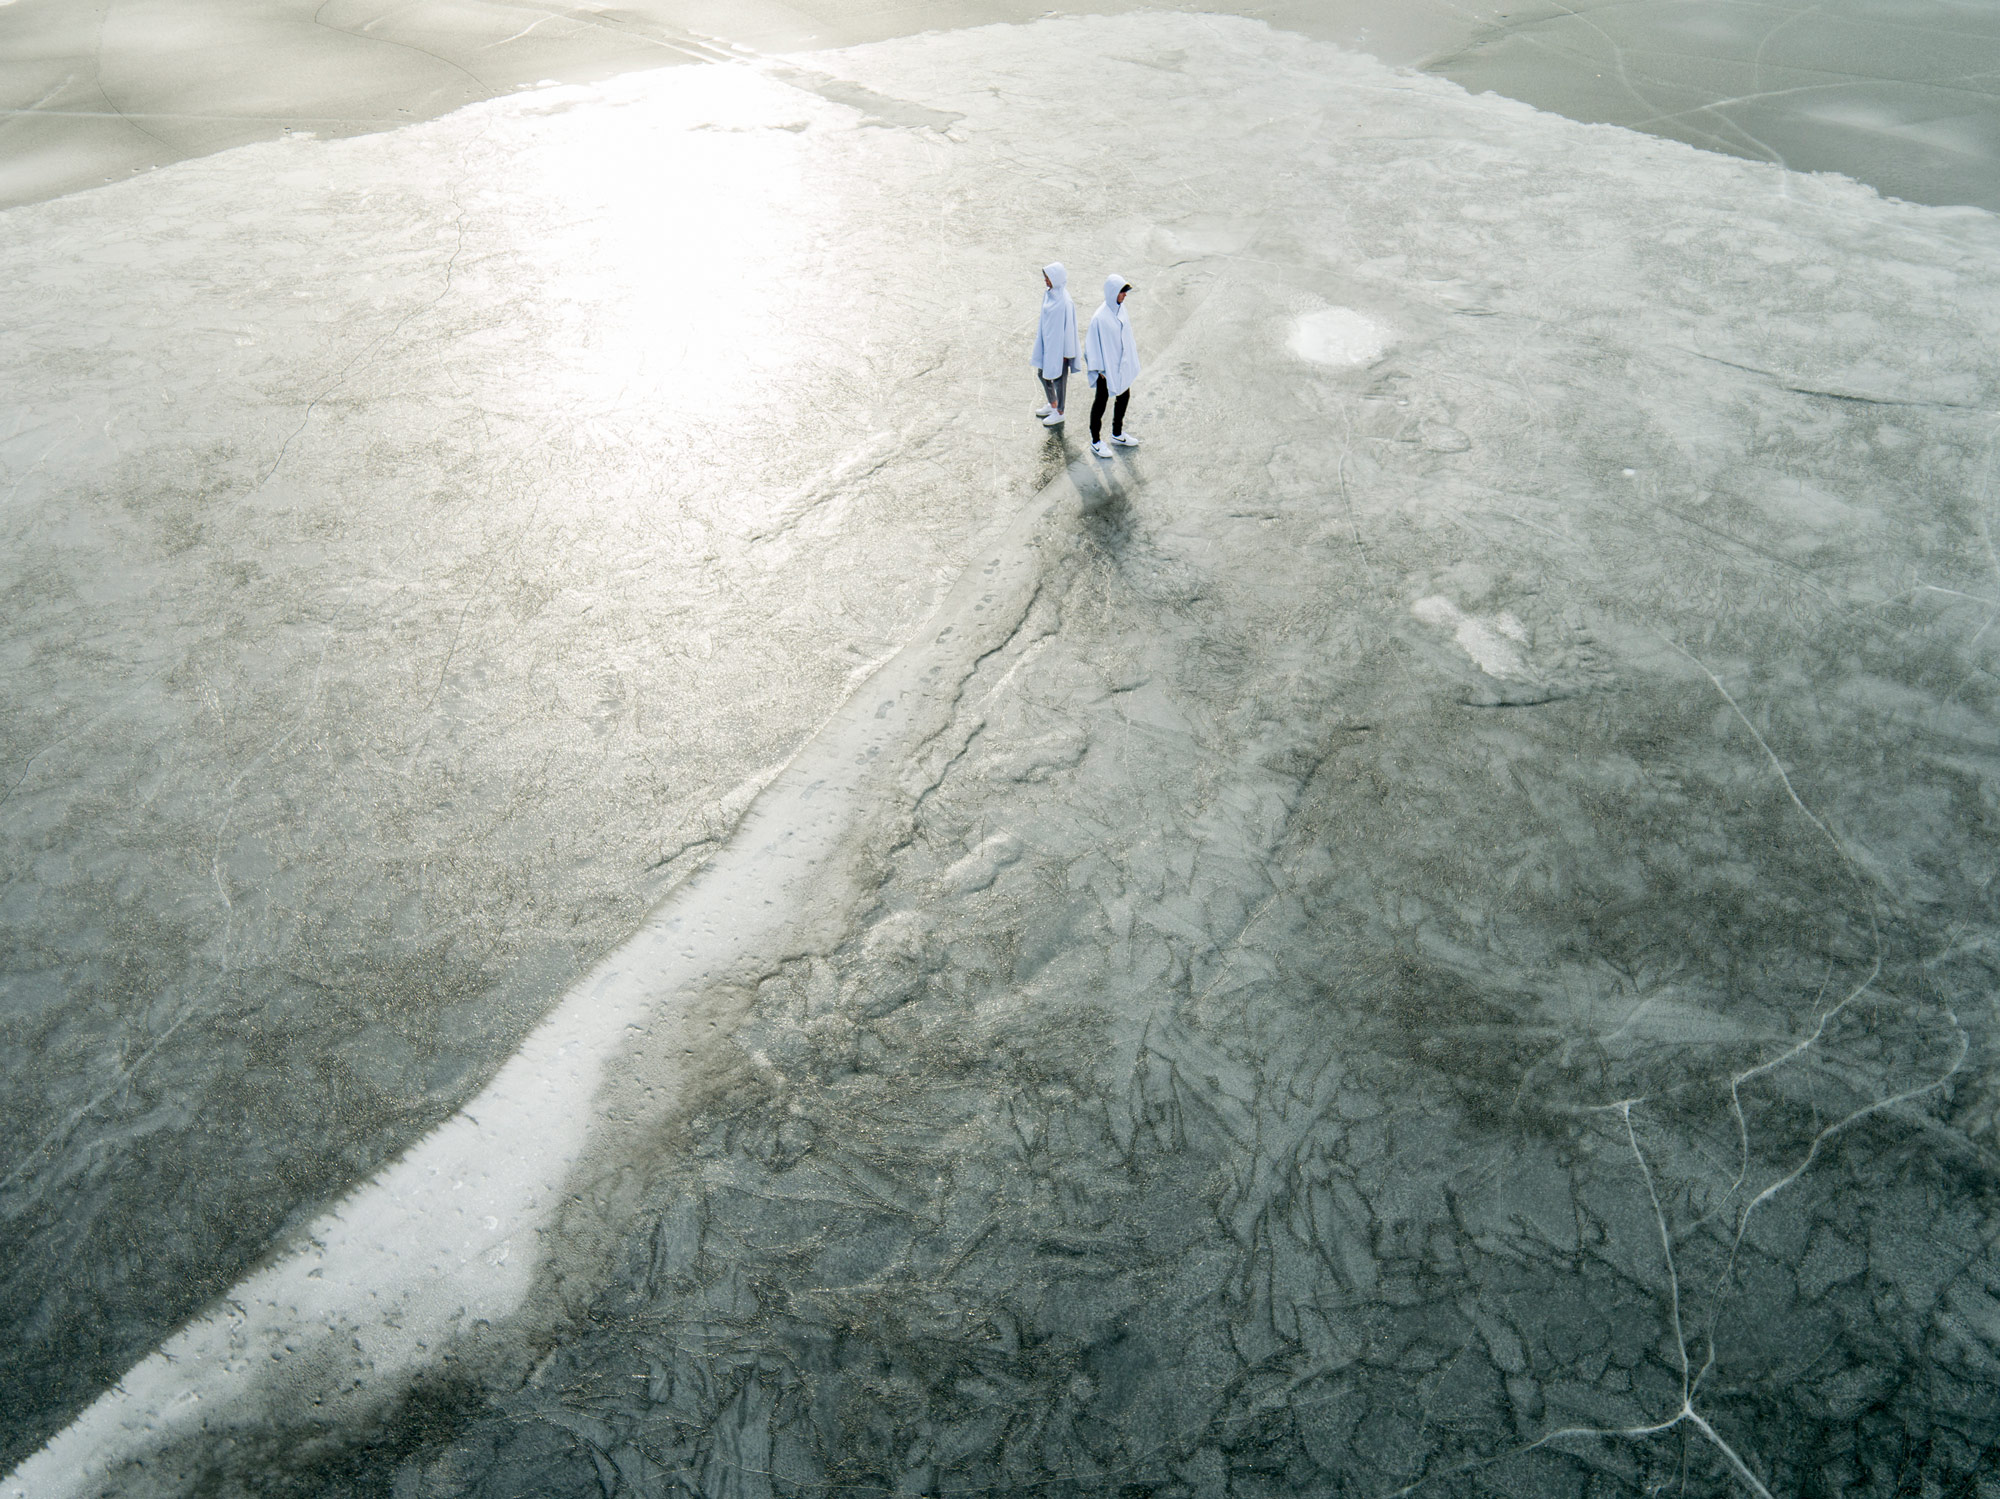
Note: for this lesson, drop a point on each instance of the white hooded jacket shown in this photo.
(1055, 336)
(1110, 349)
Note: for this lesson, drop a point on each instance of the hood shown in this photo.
(1112, 286)
(1058, 277)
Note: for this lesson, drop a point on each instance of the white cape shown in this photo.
(1055, 336)
(1111, 350)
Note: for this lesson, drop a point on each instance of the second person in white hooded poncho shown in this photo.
(1111, 361)
(1054, 354)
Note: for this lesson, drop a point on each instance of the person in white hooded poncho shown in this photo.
(1111, 361)
(1055, 352)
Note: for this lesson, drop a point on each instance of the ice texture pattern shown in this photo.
(1430, 930)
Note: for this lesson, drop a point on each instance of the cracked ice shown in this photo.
(749, 922)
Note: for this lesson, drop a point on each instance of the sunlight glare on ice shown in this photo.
(682, 207)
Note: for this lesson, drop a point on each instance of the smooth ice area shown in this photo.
(1898, 93)
(624, 880)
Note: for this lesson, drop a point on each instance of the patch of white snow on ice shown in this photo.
(1339, 335)
(1493, 644)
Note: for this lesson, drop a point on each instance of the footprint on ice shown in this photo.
(1339, 335)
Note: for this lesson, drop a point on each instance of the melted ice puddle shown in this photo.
(1339, 335)
(1493, 644)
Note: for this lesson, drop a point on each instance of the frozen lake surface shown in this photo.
(1901, 94)
(623, 880)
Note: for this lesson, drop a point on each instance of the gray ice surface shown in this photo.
(1904, 94)
(1431, 926)
(1898, 93)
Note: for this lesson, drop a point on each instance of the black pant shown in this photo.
(1117, 410)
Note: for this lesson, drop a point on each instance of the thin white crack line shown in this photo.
(1617, 56)
(1779, 766)
(1690, 1382)
(215, 856)
(1775, 158)
(1985, 494)
(57, 743)
(366, 33)
(1957, 593)
(543, 21)
(77, 1115)
(366, 356)
(1666, 1247)
(36, 467)
(1812, 1154)
(1792, 19)
(1937, 713)
(1691, 1379)
(97, 82)
(458, 630)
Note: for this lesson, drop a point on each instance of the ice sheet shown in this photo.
(408, 581)
(1899, 93)
(1251, 1043)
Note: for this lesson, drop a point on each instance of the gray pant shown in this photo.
(1057, 390)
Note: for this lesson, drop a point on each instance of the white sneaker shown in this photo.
(1101, 449)
(1044, 409)
(1053, 419)
(1125, 439)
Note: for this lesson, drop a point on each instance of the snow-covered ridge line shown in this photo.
(448, 1238)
